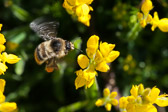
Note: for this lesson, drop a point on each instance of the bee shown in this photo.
(53, 48)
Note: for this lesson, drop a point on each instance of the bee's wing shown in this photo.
(45, 28)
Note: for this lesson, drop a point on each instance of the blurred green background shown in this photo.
(143, 54)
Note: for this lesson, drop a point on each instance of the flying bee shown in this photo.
(53, 48)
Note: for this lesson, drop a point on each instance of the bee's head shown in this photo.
(69, 46)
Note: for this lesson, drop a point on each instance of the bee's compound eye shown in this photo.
(56, 45)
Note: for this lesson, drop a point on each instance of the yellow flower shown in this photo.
(9, 58)
(144, 17)
(142, 100)
(5, 106)
(79, 8)
(4, 57)
(108, 100)
(96, 59)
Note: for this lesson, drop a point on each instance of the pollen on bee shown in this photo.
(49, 69)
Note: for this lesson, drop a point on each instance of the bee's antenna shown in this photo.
(78, 49)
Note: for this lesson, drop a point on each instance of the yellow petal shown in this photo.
(89, 74)
(79, 82)
(134, 91)
(146, 6)
(99, 102)
(113, 94)
(83, 61)
(82, 10)
(143, 23)
(3, 68)
(140, 16)
(163, 25)
(114, 102)
(2, 39)
(92, 44)
(123, 102)
(149, 18)
(8, 107)
(79, 2)
(85, 19)
(79, 73)
(151, 109)
(2, 85)
(155, 21)
(108, 106)
(2, 48)
(140, 89)
(84, 1)
(90, 82)
(106, 48)
(98, 58)
(102, 67)
(67, 5)
(112, 56)
(2, 97)
(154, 94)
(0, 26)
(162, 101)
(106, 92)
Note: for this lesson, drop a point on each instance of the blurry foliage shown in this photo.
(114, 21)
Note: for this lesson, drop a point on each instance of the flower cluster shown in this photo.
(142, 100)
(145, 18)
(79, 8)
(4, 57)
(108, 100)
(98, 55)
(5, 106)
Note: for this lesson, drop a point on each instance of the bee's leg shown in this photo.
(51, 65)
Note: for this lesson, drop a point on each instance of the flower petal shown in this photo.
(99, 102)
(92, 45)
(105, 48)
(108, 106)
(82, 10)
(83, 61)
(2, 97)
(163, 25)
(3, 68)
(2, 38)
(79, 82)
(90, 82)
(106, 92)
(2, 48)
(146, 6)
(2, 85)
(154, 94)
(0, 26)
(134, 91)
(102, 67)
(162, 101)
(112, 56)
(8, 107)
(155, 21)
